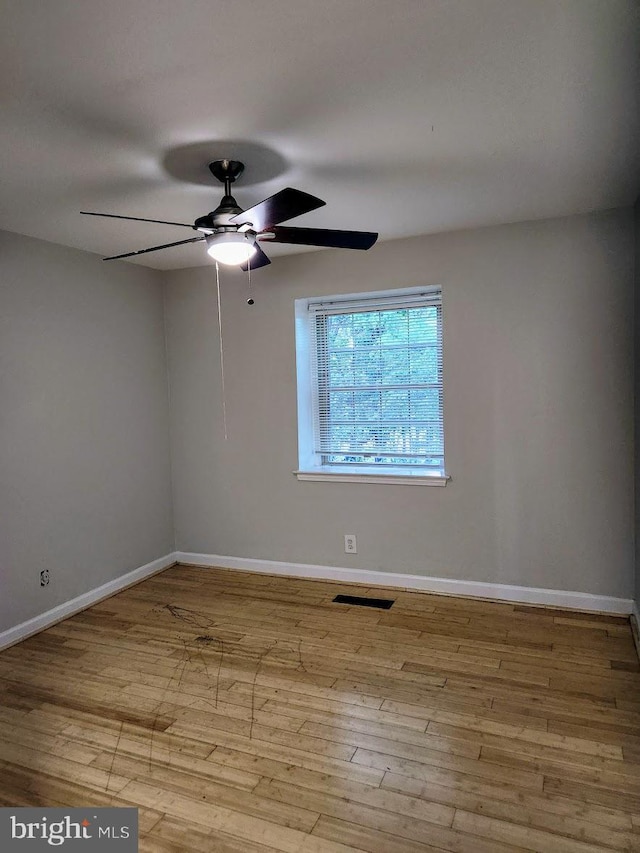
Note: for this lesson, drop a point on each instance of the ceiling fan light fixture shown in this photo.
(231, 248)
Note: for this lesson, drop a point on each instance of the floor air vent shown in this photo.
(382, 603)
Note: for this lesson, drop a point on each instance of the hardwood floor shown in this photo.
(248, 713)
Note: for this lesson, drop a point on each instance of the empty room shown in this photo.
(319, 502)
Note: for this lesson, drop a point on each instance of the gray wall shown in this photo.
(84, 444)
(538, 410)
(538, 360)
(637, 393)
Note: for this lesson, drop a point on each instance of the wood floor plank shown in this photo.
(217, 789)
(295, 757)
(435, 839)
(421, 749)
(623, 778)
(363, 838)
(520, 836)
(230, 821)
(297, 781)
(561, 815)
(423, 770)
(357, 717)
(592, 714)
(596, 794)
(530, 740)
(595, 733)
(416, 825)
(168, 836)
(335, 774)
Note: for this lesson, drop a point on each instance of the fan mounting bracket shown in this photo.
(226, 170)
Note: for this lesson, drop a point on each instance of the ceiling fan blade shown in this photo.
(324, 237)
(258, 260)
(278, 208)
(155, 248)
(135, 218)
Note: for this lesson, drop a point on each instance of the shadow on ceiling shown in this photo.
(190, 163)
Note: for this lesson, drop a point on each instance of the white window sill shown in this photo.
(392, 478)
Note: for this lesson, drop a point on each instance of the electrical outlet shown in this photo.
(45, 577)
(350, 543)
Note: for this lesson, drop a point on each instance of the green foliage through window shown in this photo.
(378, 384)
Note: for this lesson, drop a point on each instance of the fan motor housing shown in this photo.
(220, 217)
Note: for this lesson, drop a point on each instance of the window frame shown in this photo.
(310, 465)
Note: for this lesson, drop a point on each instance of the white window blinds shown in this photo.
(376, 370)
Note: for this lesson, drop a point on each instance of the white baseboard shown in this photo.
(444, 586)
(62, 611)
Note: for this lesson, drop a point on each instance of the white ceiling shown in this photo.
(406, 116)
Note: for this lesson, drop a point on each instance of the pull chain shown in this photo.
(224, 399)
(250, 299)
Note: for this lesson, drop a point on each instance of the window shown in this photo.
(370, 387)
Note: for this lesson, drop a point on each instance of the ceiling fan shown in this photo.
(232, 234)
